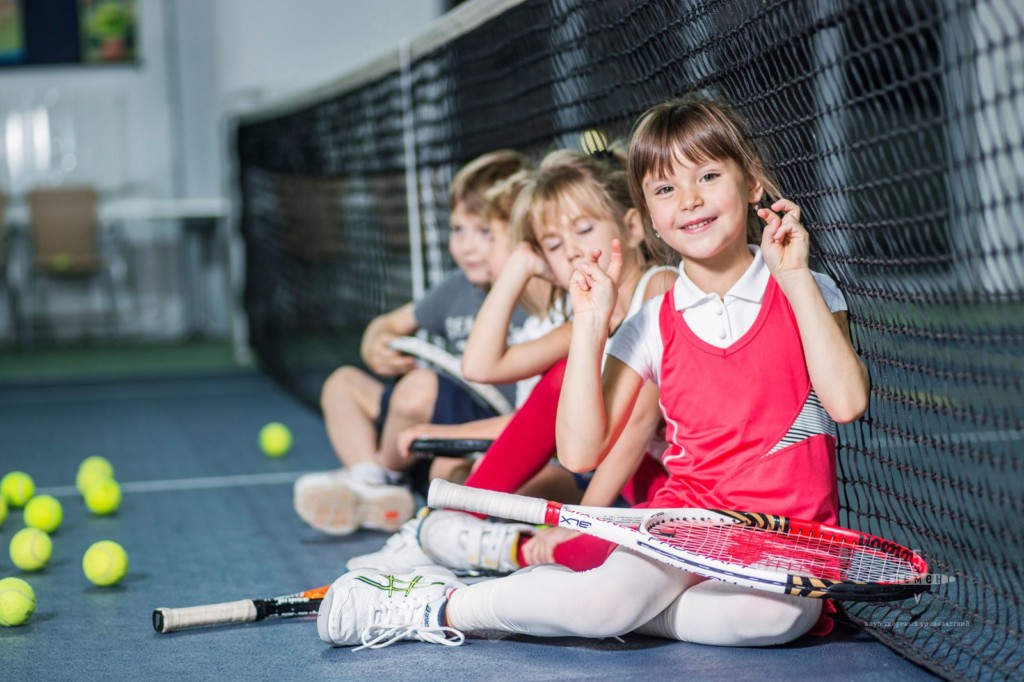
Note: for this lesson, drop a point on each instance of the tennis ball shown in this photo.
(61, 261)
(3, 510)
(103, 497)
(17, 602)
(44, 512)
(91, 470)
(105, 563)
(17, 488)
(275, 439)
(31, 548)
(593, 142)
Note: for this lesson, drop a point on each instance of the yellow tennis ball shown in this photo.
(44, 512)
(31, 549)
(91, 470)
(593, 141)
(103, 497)
(105, 563)
(275, 439)
(17, 602)
(61, 261)
(3, 509)
(17, 488)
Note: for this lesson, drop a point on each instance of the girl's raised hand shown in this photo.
(785, 243)
(591, 289)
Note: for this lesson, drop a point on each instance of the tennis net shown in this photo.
(895, 124)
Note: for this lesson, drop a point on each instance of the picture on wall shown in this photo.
(12, 38)
(107, 30)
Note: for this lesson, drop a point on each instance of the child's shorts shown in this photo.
(455, 404)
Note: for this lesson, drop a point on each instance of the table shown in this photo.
(200, 218)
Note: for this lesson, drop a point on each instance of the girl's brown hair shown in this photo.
(598, 184)
(697, 129)
(498, 200)
(474, 179)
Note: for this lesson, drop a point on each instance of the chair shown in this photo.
(68, 242)
(13, 270)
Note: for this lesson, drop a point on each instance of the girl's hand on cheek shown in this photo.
(526, 258)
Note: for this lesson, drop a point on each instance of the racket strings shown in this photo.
(827, 557)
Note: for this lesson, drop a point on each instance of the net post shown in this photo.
(412, 195)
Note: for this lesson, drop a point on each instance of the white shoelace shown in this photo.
(392, 622)
(380, 636)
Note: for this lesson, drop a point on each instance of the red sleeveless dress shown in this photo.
(726, 410)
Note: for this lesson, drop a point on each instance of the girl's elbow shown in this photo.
(574, 461)
(474, 371)
(850, 410)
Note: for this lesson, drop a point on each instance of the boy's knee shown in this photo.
(340, 382)
(414, 394)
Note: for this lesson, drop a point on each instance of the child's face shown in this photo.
(566, 237)
(469, 242)
(500, 246)
(701, 208)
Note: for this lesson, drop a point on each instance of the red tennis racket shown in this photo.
(241, 611)
(762, 551)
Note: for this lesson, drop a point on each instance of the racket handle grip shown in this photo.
(169, 620)
(446, 495)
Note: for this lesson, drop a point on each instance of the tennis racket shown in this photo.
(241, 611)
(762, 551)
(444, 361)
(425, 448)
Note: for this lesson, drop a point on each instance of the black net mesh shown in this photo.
(895, 124)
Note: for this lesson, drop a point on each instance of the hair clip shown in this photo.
(594, 143)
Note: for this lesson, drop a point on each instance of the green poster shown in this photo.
(12, 40)
(108, 31)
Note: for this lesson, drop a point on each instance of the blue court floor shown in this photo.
(206, 517)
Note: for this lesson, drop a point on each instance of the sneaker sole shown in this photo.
(387, 512)
(331, 509)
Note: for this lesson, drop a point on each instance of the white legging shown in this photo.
(626, 593)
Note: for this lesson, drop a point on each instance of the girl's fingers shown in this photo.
(615, 266)
(768, 216)
(772, 223)
(788, 207)
(580, 279)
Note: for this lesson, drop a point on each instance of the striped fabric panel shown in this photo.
(812, 421)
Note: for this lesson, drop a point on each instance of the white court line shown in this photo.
(240, 481)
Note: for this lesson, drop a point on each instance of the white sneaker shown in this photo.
(337, 503)
(462, 542)
(323, 501)
(400, 554)
(375, 610)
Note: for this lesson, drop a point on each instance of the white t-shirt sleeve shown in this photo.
(830, 292)
(637, 343)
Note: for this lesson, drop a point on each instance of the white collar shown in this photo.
(750, 287)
